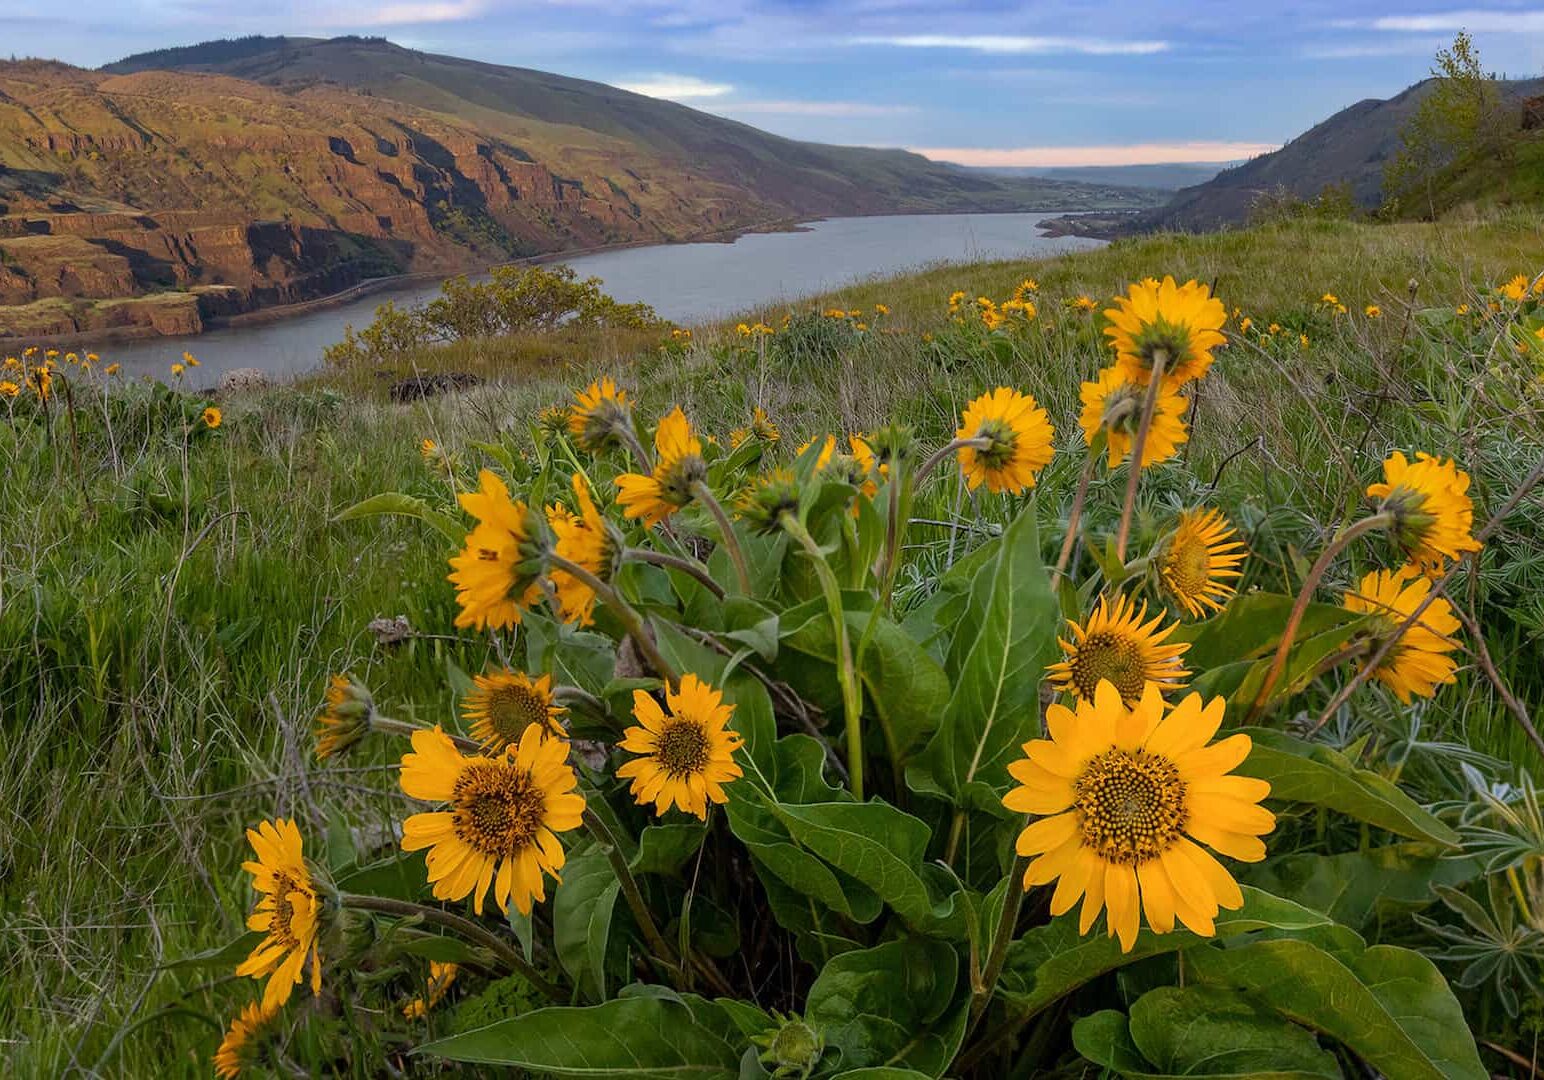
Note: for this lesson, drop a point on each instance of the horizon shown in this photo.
(997, 90)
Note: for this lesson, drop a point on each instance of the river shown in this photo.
(687, 283)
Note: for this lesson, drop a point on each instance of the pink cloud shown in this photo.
(1045, 157)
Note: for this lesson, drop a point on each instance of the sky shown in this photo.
(981, 82)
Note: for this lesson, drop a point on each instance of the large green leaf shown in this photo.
(663, 849)
(1205, 1031)
(399, 877)
(995, 703)
(884, 848)
(1250, 627)
(893, 1004)
(904, 684)
(1225, 1038)
(1301, 771)
(1390, 1006)
(582, 909)
(652, 1035)
(1354, 887)
(395, 502)
(795, 775)
(1053, 960)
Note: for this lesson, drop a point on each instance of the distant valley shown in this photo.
(192, 184)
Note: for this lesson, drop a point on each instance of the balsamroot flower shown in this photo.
(495, 575)
(1113, 404)
(345, 719)
(1018, 435)
(685, 757)
(678, 466)
(1125, 799)
(288, 915)
(1200, 562)
(441, 975)
(238, 1047)
(502, 705)
(505, 813)
(587, 541)
(598, 414)
(1183, 323)
(1419, 661)
(1117, 647)
(1433, 516)
(769, 497)
(212, 417)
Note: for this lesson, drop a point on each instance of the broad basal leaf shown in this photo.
(662, 1036)
(1301, 771)
(395, 502)
(1388, 1005)
(995, 704)
(1354, 887)
(582, 908)
(1053, 960)
(1105, 1039)
(898, 1004)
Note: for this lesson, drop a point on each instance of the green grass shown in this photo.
(170, 607)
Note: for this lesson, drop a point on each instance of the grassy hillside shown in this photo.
(1350, 147)
(173, 599)
(578, 125)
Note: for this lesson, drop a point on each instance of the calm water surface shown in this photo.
(688, 283)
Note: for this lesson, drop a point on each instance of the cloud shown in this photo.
(675, 87)
(1408, 47)
(1132, 154)
(811, 108)
(405, 14)
(1013, 45)
(1520, 22)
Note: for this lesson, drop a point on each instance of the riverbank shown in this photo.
(687, 283)
(270, 313)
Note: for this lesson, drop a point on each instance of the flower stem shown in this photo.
(852, 696)
(401, 727)
(624, 611)
(1342, 541)
(981, 991)
(927, 467)
(1074, 518)
(742, 569)
(630, 439)
(603, 836)
(690, 567)
(1138, 445)
(468, 929)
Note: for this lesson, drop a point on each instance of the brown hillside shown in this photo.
(272, 183)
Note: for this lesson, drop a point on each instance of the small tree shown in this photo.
(1460, 119)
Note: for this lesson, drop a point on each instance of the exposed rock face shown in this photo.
(123, 186)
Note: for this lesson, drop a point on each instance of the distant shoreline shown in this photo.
(279, 312)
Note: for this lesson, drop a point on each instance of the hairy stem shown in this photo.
(623, 611)
(690, 567)
(466, 928)
(1138, 445)
(1342, 540)
(742, 570)
(852, 695)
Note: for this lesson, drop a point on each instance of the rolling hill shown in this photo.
(214, 179)
(1351, 146)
